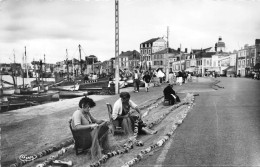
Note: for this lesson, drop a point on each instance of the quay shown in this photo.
(29, 130)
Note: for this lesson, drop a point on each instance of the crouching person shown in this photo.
(170, 94)
(122, 117)
(92, 133)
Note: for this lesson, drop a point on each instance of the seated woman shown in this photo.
(98, 129)
(122, 117)
(170, 94)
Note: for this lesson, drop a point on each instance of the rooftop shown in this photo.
(150, 40)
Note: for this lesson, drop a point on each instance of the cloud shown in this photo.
(52, 20)
(50, 26)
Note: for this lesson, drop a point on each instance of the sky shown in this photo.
(50, 27)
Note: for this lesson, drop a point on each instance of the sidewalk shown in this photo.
(30, 130)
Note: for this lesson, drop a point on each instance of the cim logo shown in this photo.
(27, 158)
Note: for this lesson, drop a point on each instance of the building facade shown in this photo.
(150, 47)
(129, 60)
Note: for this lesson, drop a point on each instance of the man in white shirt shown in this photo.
(121, 113)
(136, 81)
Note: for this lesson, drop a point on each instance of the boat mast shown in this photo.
(23, 71)
(80, 60)
(45, 68)
(15, 84)
(26, 67)
(67, 64)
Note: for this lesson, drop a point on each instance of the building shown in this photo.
(129, 60)
(203, 60)
(190, 63)
(150, 47)
(241, 61)
(89, 64)
(220, 45)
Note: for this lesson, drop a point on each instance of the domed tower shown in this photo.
(220, 45)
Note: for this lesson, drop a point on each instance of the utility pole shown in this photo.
(117, 46)
(168, 33)
(80, 59)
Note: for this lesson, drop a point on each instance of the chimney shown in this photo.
(220, 39)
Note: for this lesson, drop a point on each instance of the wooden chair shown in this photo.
(82, 138)
(114, 128)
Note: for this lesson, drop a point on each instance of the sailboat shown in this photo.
(35, 96)
(10, 89)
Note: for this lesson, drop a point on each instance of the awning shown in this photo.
(230, 69)
(212, 69)
(190, 69)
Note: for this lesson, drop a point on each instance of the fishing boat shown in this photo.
(7, 105)
(8, 91)
(39, 94)
(36, 97)
(72, 94)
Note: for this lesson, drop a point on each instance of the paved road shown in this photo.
(223, 129)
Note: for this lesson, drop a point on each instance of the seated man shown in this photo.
(122, 117)
(82, 119)
(170, 94)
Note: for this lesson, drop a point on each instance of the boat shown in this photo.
(93, 85)
(36, 97)
(13, 105)
(8, 91)
(72, 94)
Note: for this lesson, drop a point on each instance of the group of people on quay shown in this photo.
(121, 115)
(157, 77)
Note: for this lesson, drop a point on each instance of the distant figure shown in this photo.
(189, 77)
(160, 75)
(171, 79)
(136, 81)
(147, 80)
(86, 78)
(110, 80)
(170, 94)
(179, 78)
(184, 77)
